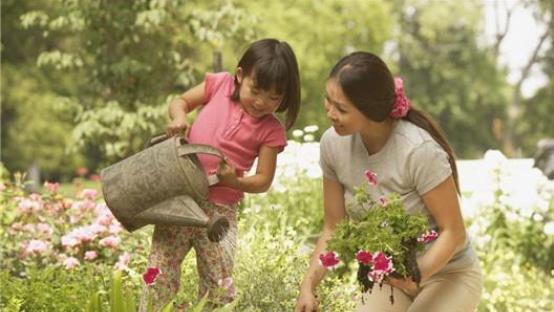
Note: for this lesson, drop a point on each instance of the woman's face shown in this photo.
(346, 118)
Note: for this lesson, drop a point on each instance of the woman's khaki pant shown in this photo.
(452, 291)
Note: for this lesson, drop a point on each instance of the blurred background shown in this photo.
(86, 82)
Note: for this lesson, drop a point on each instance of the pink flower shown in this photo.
(330, 260)
(364, 257)
(29, 227)
(371, 177)
(91, 255)
(383, 201)
(115, 228)
(69, 241)
(44, 228)
(27, 205)
(110, 241)
(104, 218)
(428, 236)
(382, 266)
(88, 194)
(401, 104)
(96, 228)
(228, 285)
(123, 261)
(94, 177)
(35, 246)
(52, 187)
(151, 275)
(70, 263)
(382, 262)
(81, 171)
(84, 234)
(375, 276)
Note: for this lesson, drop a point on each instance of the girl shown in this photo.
(375, 129)
(237, 117)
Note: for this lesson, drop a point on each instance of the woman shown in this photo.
(374, 128)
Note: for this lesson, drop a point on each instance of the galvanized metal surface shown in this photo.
(163, 184)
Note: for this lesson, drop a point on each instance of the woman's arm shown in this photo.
(181, 106)
(257, 183)
(442, 203)
(334, 211)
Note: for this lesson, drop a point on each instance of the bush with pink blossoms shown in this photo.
(50, 229)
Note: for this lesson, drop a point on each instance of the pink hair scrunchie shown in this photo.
(401, 104)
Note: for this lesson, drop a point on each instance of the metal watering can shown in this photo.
(162, 184)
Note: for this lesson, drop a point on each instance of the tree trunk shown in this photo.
(217, 61)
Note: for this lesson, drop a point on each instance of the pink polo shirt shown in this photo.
(222, 123)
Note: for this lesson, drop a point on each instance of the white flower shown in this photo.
(549, 228)
(309, 138)
(297, 133)
(311, 129)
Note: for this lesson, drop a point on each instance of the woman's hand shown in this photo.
(178, 126)
(406, 285)
(227, 175)
(306, 302)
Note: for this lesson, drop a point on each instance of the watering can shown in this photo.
(163, 184)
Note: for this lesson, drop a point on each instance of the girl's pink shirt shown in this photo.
(222, 123)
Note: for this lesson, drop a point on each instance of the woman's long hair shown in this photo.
(368, 83)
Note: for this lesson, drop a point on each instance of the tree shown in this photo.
(128, 58)
(33, 133)
(513, 139)
(447, 72)
(320, 32)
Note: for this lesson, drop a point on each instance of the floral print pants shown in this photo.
(170, 245)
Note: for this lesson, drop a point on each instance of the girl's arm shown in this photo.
(260, 181)
(182, 105)
(442, 203)
(334, 211)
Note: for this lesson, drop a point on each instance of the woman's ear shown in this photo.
(239, 74)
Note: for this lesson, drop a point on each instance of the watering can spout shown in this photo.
(184, 211)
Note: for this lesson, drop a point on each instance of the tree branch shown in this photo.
(501, 34)
(535, 56)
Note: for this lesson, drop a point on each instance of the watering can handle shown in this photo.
(188, 149)
(158, 138)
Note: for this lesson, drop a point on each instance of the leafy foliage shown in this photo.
(386, 228)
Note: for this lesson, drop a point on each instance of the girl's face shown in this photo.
(255, 101)
(346, 118)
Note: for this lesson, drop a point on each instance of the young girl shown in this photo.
(374, 128)
(237, 117)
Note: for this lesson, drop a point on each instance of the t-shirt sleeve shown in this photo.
(275, 136)
(214, 81)
(428, 166)
(326, 159)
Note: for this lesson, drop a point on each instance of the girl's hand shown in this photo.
(306, 302)
(178, 126)
(227, 175)
(405, 284)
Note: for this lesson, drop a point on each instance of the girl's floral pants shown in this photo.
(170, 245)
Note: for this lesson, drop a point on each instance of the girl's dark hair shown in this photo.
(368, 83)
(272, 64)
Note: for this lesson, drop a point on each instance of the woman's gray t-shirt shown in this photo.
(411, 163)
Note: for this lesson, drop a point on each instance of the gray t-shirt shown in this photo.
(411, 163)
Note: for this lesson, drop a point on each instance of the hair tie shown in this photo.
(401, 104)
